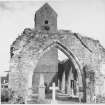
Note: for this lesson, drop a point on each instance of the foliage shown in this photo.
(6, 94)
(100, 99)
(9, 96)
(17, 100)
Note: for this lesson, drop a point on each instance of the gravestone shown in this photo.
(58, 83)
(72, 93)
(41, 88)
(88, 98)
(4, 81)
(63, 83)
(69, 91)
(53, 88)
(72, 83)
(77, 88)
(69, 86)
(94, 99)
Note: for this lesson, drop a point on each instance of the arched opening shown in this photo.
(58, 64)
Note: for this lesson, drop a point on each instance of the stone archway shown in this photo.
(68, 78)
(68, 53)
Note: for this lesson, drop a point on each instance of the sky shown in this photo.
(86, 17)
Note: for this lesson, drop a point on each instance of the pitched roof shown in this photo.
(46, 5)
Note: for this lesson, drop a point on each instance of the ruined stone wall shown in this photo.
(27, 55)
(48, 66)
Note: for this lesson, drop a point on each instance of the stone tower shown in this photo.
(46, 19)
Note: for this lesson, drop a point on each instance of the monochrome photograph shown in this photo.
(52, 52)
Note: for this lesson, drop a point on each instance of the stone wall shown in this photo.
(26, 57)
(46, 19)
(48, 66)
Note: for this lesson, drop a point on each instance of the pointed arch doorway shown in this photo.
(66, 74)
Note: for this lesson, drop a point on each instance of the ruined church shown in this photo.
(34, 61)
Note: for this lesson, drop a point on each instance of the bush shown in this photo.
(100, 99)
(9, 96)
(17, 100)
(5, 95)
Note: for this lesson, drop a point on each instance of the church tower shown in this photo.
(46, 19)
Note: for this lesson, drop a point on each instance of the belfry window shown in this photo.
(46, 21)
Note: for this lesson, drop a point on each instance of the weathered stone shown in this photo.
(35, 51)
(53, 88)
(46, 19)
(41, 88)
(63, 83)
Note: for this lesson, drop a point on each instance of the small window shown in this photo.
(46, 21)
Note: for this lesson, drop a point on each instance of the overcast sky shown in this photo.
(84, 16)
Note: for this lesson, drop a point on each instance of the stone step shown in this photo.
(67, 95)
(36, 101)
(33, 98)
